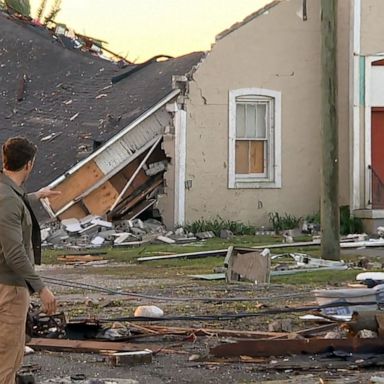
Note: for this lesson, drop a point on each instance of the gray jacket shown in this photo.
(16, 250)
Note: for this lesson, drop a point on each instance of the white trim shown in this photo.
(180, 123)
(354, 99)
(115, 138)
(274, 157)
(367, 125)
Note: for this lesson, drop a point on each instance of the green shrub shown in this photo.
(217, 224)
(349, 223)
(283, 222)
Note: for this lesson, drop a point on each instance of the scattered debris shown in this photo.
(252, 266)
(131, 358)
(374, 296)
(282, 325)
(258, 348)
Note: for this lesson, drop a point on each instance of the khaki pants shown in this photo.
(14, 303)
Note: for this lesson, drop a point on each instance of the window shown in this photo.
(254, 138)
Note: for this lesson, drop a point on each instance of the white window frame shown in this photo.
(272, 178)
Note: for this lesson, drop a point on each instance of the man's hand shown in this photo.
(48, 300)
(46, 193)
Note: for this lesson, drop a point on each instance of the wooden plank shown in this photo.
(258, 348)
(218, 332)
(124, 206)
(290, 245)
(75, 184)
(100, 200)
(256, 156)
(193, 255)
(79, 258)
(242, 157)
(79, 346)
(139, 209)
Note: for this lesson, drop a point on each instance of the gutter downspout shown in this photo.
(354, 99)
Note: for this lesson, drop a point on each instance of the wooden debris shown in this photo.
(256, 348)
(78, 346)
(193, 255)
(211, 331)
(74, 259)
(131, 358)
(365, 320)
(253, 266)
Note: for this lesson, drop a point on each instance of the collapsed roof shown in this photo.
(64, 99)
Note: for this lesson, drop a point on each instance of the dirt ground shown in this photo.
(171, 279)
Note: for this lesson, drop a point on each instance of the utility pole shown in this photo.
(330, 222)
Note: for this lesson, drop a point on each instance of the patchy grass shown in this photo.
(179, 269)
(317, 278)
(160, 269)
(130, 254)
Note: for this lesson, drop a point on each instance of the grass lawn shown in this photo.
(180, 268)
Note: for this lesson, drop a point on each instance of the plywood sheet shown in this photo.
(75, 184)
(242, 157)
(76, 212)
(100, 200)
(256, 157)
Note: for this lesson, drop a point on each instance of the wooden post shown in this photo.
(330, 241)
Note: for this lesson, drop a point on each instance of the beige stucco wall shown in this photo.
(372, 27)
(277, 51)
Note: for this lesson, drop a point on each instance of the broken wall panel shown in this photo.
(123, 209)
(98, 183)
(77, 211)
(101, 199)
(74, 185)
(135, 139)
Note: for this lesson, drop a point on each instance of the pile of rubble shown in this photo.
(93, 232)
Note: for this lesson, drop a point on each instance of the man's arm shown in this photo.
(11, 241)
(42, 194)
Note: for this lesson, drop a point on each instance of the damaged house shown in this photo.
(254, 115)
(105, 133)
(235, 133)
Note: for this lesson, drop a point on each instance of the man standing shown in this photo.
(19, 249)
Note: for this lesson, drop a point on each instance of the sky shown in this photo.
(141, 29)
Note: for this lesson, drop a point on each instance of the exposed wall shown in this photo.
(110, 170)
(281, 52)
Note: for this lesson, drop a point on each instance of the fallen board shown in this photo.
(193, 255)
(79, 346)
(71, 259)
(266, 348)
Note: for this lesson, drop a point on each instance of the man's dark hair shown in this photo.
(17, 152)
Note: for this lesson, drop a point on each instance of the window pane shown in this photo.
(261, 121)
(242, 157)
(250, 121)
(256, 157)
(240, 120)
